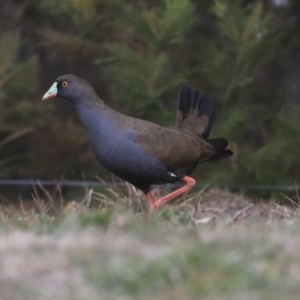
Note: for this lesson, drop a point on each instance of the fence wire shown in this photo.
(77, 183)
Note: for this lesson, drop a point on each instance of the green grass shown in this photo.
(214, 245)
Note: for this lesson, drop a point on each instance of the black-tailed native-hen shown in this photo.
(141, 152)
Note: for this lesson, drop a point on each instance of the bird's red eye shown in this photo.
(64, 84)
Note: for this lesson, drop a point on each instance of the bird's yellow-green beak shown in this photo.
(52, 92)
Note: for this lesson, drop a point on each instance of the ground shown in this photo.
(212, 245)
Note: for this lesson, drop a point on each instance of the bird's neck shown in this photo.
(94, 118)
(90, 111)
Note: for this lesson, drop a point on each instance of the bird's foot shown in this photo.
(155, 204)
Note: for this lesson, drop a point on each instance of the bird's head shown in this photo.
(69, 87)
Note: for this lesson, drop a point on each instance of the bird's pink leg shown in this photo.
(155, 204)
(151, 200)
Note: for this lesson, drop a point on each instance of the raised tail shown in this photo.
(196, 111)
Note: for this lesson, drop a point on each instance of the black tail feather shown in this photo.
(220, 144)
(207, 107)
(193, 100)
(196, 114)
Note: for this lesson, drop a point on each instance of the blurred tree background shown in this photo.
(137, 54)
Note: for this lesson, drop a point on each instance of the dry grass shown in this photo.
(212, 245)
(205, 206)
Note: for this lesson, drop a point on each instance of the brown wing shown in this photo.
(174, 147)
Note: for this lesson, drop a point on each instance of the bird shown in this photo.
(141, 152)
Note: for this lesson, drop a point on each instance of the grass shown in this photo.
(212, 245)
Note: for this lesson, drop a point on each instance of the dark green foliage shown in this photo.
(143, 54)
(137, 54)
(17, 81)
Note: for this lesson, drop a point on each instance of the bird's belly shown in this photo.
(117, 151)
(131, 162)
